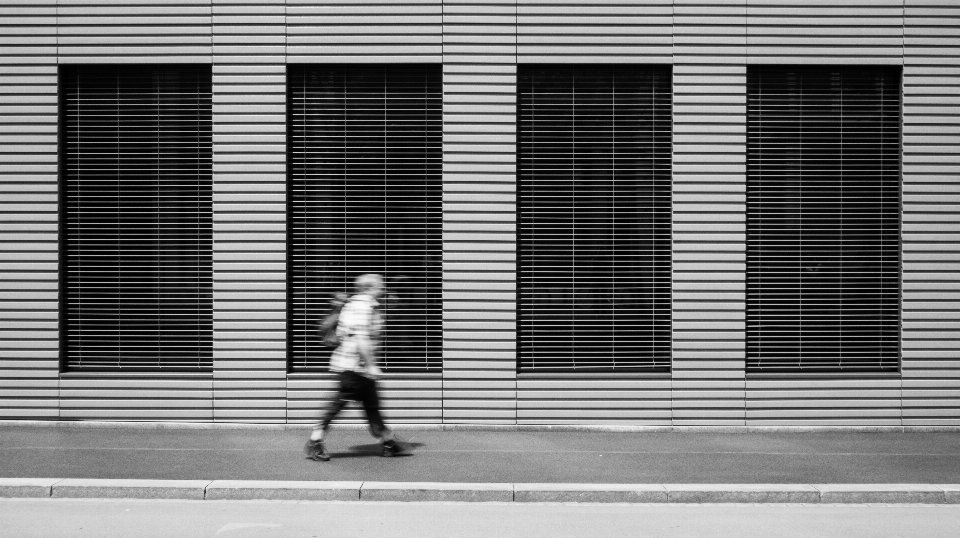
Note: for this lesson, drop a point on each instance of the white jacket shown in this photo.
(358, 317)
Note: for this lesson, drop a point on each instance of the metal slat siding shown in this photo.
(709, 42)
(817, 33)
(604, 31)
(363, 31)
(355, 31)
(825, 31)
(931, 219)
(479, 198)
(28, 210)
(614, 32)
(822, 402)
(249, 182)
(94, 32)
(709, 156)
(134, 31)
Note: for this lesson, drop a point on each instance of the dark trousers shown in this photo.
(357, 388)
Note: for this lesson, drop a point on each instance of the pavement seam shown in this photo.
(485, 427)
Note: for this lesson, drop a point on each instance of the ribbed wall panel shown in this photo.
(709, 152)
(931, 214)
(836, 401)
(137, 397)
(479, 205)
(822, 32)
(134, 31)
(710, 43)
(602, 31)
(28, 210)
(249, 182)
(355, 31)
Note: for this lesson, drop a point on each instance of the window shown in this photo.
(365, 196)
(823, 219)
(594, 182)
(136, 221)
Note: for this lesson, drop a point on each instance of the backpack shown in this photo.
(327, 330)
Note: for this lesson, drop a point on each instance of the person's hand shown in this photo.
(374, 372)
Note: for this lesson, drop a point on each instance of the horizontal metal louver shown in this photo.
(594, 224)
(136, 218)
(365, 196)
(823, 219)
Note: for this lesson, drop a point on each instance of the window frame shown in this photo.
(405, 298)
(754, 315)
(641, 352)
(163, 76)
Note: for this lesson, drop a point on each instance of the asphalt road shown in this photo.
(25, 518)
(485, 456)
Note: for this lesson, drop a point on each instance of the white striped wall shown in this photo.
(249, 208)
(134, 31)
(364, 31)
(28, 210)
(709, 167)
(825, 31)
(709, 43)
(602, 31)
(931, 214)
(479, 204)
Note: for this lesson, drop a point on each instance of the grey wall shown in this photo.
(709, 43)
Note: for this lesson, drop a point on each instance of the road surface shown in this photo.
(25, 518)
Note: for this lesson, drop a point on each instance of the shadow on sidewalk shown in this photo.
(371, 450)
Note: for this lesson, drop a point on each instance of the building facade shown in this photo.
(637, 213)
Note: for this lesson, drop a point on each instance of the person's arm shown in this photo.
(367, 348)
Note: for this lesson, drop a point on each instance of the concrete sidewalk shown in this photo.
(481, 464)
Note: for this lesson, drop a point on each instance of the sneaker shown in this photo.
(390, 449)
(315, 451)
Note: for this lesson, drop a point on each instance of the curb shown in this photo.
(62, 488)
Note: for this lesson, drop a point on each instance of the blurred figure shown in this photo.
(355, 364)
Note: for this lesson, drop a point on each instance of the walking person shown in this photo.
(355, 364)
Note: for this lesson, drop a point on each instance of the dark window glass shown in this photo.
(136, 221)
(823, 219)
(365, 196)
(594, 205)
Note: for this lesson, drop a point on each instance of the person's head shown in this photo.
(369, 284)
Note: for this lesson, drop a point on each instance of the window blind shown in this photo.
(365, 196)
(136, 218)
(823, 219)
(594, 225)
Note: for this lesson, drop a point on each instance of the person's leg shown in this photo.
(315, 448)
(333, 407)
(371, 406)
